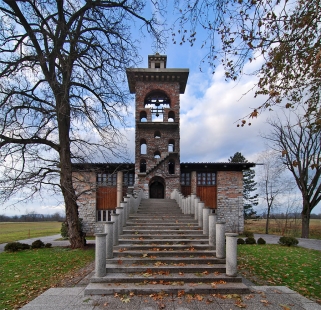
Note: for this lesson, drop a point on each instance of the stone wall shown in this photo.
(85, 186)
(230, 200)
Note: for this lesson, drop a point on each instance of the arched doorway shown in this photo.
(156, 188)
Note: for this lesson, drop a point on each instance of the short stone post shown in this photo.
(188, 204)
(231, 254)
(212, 219)
(124, 206)
(193, 196)
(127, 200)
(206, 213)
(100, 255)
(220, 240)
(200, 213)
(114, 218)
(196, 201)
(120, 211)
(109, 239)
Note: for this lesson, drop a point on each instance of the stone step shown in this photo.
(178, 288)
(163, 250)
(142, 236)
(150, 259)
(164, 275)
(167, 241)
(134, 253)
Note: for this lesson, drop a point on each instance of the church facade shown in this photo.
(157, 170)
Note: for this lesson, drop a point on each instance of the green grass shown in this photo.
(295, 267)
(10, 232)
(26, 274)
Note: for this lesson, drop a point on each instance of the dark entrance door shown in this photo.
(157, 190)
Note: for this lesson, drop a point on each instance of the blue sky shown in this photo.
(210, 109)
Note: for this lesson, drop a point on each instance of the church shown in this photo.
(157, 170)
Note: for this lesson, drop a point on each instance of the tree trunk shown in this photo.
(68, 191)
(305, 216)
(267, 220)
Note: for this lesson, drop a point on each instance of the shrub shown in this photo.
(250, 240)
(240, 241)
(48, 245)
(16, 246)
(248, 234)
(289, 241)
(64, 230)
(261, 241)
(37, 244)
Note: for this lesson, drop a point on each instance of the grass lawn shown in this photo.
(295, 267)
(26, 274)
(10, 232)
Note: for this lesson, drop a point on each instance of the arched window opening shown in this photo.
(157, 154)
(171, 167)
(156, 101)
(171, 116)
(143, 147)
(143, 116)
(142, 165)
(171, 145)
(157, 134)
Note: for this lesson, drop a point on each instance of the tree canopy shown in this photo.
(62, 72)
(284, 35)
(250, 198)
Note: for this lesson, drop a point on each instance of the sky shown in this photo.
(210, 110)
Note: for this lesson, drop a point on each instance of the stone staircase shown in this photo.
(163, 250)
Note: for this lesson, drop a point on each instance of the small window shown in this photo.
(143, 116)
(157, 134)
(186, 179)
(106, 179)
(157, 65)
(142, 167)
(157, 154)
(143, 147)
(206, 178)
(171, 167)
(171, 145)
(128, 179)
(171, 116)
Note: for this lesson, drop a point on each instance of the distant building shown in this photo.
(157, 169)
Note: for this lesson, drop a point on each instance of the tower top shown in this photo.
(157, 72)
(157, 61)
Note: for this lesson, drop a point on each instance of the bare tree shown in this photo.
(299, 143)
(271, 181)
(62, 100)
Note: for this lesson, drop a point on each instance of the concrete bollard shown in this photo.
(109, 239)
(188, 204)
(120, 211)
(123, 204)
(231, 254)
(206, 213)
(193, 196)
(114, 218)
(100, 255)
(200, 213)
(212, 219)
(127, 200)
(196, 201)
(220, 240)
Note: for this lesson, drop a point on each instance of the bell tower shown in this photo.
(157, 130)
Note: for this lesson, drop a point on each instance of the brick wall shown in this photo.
(230, 200)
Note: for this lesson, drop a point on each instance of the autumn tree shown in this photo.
(250, 197)
(284, 35)
(298, 141)
(62, 100)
